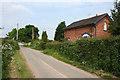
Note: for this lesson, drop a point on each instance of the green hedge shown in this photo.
(37, 44)
(8, 50)
(99, 54)
(54, 45)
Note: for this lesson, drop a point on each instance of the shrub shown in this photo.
(8, 50)
(37, 44)
(53, 45)
(96, 53)
(99, 54)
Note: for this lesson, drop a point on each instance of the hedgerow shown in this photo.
(99, 54)
(39, 45)
(8, 50)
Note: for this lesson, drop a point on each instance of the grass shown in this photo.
(107, 76)
(99, 73)
(54, 53)
(19, 68)
(62, 58)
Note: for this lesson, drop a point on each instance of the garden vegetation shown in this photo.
(99, 54)
(9, 48)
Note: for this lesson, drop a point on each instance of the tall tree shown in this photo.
(24, 34)
(21, 34)
(59, 34)
(12, 34)
(28, 33)
(44, 36)
(114, 27)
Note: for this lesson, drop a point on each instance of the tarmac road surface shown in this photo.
(44, 66)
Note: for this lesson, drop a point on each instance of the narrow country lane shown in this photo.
(45, 66)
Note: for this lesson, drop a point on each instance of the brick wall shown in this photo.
(74, 33)
(100, 28)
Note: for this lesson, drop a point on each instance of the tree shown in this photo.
(28, 33)
(114, 27)
(21, 35)
(59, 34)
(24, 34)
(12, 34)
(44, 36)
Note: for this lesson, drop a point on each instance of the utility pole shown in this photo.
(32, 32)
(17, 32)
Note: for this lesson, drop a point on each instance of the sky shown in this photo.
(47, 14)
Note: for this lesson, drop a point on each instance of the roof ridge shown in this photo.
(87, 21)
(97, 16)
(89, 18)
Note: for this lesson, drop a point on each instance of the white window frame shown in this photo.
(86, 36)
(105, 26)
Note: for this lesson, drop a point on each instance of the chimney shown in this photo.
(96, 14)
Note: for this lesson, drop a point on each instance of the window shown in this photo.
(68, 38)
(105, 26)
(79, 38)
(86, 35)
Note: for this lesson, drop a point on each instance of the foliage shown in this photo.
(11, 35)
(59, 34)
(53, 45)
(114, 27)
(44, 36)
(8, 50)
(99, 54)
(24, 34)
(20, 69)
(21, 35)
(37, 44)
(28, 33)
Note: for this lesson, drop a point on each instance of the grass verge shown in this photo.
(99, 73)
(19, 68)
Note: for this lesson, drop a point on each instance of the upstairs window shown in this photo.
(105, 26)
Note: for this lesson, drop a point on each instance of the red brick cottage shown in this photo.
(92, 27)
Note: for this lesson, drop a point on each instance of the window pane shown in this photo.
(105, 26)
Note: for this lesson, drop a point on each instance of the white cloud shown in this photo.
(13, 13)
(11, 9)
(19, 8)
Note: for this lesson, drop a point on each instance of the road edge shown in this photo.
(67, 64)
(27, 64)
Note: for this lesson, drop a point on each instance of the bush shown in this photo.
(99, 54)
(37, 44)
(8, 50)
(53, 45)
(96, 53)
(40, 45)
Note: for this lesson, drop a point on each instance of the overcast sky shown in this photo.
(47, 14)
